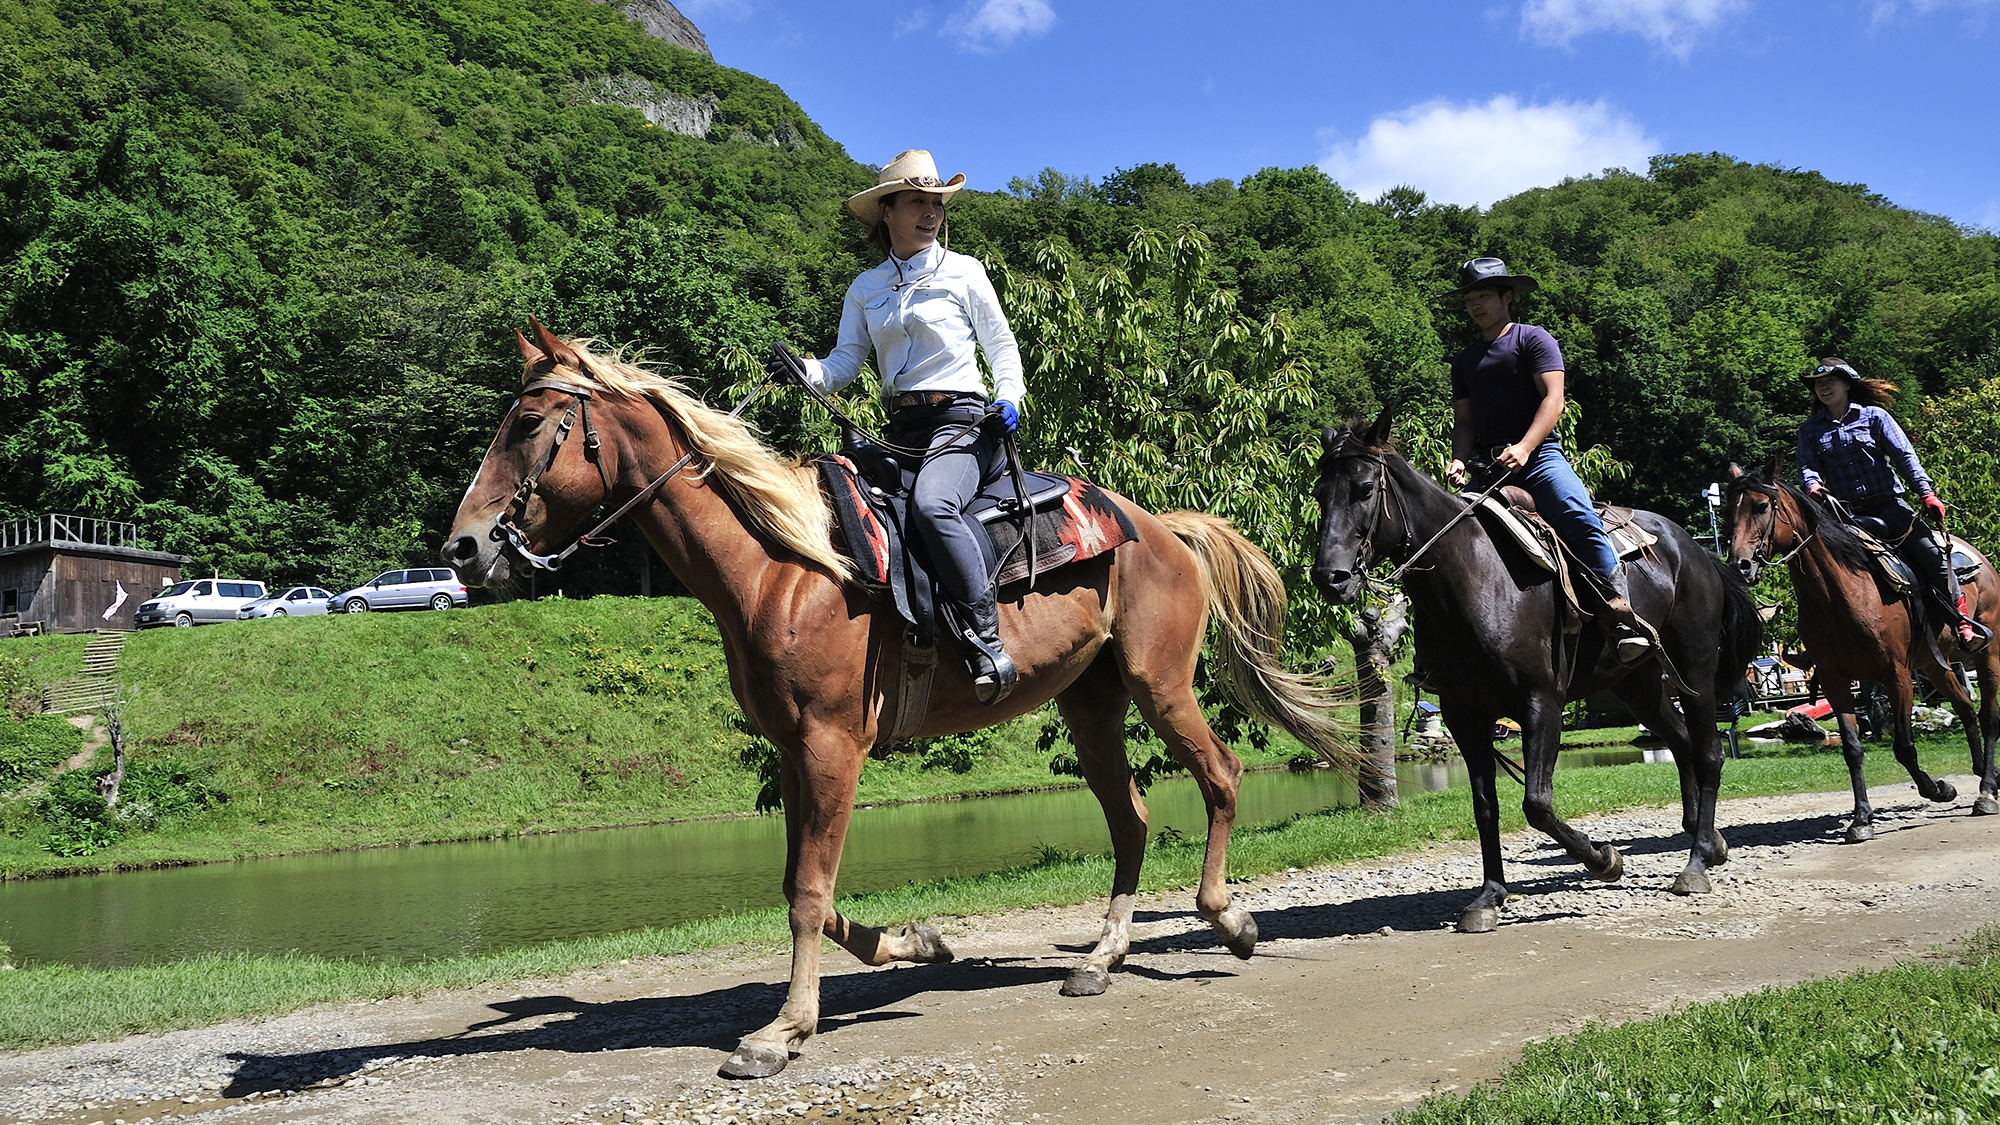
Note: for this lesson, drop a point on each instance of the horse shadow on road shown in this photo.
(713, 1019)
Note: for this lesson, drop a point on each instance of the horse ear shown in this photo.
(530, 354)
(1735, 471)
(557, 350)
(1771, 467)
(1378, 434)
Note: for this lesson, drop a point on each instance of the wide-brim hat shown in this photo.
(912, 170)
(1491, 273)
(1831, 365)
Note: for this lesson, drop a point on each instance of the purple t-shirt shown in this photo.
(1498, 378)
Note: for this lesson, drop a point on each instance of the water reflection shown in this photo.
(455, 899)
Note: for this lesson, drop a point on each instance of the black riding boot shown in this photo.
(1630, 636)
(1932, 562)
(978, 629)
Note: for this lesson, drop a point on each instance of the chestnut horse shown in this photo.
(811, 653)
(1491, 642)
(1852, 633)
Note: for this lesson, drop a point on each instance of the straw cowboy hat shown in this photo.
(911, 170)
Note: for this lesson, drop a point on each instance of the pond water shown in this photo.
(446, 900)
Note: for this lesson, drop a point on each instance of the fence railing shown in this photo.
(57, 529)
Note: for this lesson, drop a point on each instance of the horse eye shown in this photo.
(530, 423)
(1364, 489)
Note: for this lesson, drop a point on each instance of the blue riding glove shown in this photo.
(1010, 417)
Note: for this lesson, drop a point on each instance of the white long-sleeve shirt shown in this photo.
(922, 317)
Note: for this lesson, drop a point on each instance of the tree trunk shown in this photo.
(1374, 635)
(107, 786)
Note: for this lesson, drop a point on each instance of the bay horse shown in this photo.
(1851, 632)
(1491, 643)
(812, 653)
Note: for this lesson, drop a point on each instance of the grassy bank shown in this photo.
(266, 737)
(1915, 1042)
(42, 1005)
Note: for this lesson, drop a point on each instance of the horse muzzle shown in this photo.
(1340, 586)
(478, 560)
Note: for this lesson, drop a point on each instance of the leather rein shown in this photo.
(1346, 451)
(504, 525)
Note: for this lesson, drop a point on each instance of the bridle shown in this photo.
(1348, 447)
(505, 527)
(1761, 554)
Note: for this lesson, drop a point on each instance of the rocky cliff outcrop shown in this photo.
(686, 115)
(664, 21)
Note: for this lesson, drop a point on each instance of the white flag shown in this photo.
(116, 602)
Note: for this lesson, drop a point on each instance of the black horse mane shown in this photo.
(1841, 541)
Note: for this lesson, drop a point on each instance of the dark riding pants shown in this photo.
(1891, 521)
(961, 455)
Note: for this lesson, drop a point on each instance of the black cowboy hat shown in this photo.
(1491, 273)
(1831, 365)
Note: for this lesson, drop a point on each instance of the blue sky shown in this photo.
(1469, 102)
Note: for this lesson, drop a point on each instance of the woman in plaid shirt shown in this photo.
(1851, 448)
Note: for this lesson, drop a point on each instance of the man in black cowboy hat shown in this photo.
(1506, 397)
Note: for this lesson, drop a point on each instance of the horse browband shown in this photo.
(503, 523)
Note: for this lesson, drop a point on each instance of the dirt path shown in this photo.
(1360, 999)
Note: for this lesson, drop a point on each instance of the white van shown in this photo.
(199, 601)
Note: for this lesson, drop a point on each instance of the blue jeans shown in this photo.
(1563, 501)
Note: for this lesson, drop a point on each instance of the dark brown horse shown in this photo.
(1491, 643)
(810, 652)
(1852, 632)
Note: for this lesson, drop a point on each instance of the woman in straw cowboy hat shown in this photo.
(1853, 450)
(923, 312)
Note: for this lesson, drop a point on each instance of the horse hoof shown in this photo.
(1691, 883)
(1859, 833)
(1086, 980)
(1479, 920)
(754, 1060)
(1237, 929)
(1985, 805)
(1614, 870)
(1945, 793)
(1721, 849)
(931, 949)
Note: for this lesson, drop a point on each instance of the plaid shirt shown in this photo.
(1858, 456)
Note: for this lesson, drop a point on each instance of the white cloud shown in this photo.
(1476, 154)
(989, 25)
(1673, 25)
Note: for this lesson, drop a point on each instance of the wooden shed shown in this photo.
(64, 574)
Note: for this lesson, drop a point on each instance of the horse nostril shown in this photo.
(462, 549)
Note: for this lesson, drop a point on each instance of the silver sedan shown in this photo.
(299, 601)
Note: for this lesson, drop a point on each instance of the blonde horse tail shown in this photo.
(1246, 603)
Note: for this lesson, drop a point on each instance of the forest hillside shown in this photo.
(261, 260)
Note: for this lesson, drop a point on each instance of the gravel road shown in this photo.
(1361, 999)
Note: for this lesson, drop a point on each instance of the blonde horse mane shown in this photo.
(778, 497)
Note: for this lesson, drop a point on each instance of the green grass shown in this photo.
(44, 1005)
(269, 737)
(1918, 1042)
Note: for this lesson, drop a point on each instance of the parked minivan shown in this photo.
(199, 601)
(404, 589)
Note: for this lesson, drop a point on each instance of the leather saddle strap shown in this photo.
(913, 693)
